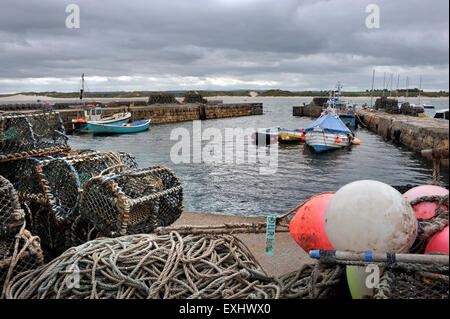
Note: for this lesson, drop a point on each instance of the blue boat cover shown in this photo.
(330, 124)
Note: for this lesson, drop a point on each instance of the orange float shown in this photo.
(425, 210)
(438, 243)
(308, 225)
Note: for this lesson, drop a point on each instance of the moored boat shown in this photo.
(291, 136)
(93, 116)
(266, 136)
(134, 127)
(328, 132)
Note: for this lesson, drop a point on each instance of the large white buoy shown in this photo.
(369, 216)
(372, 216)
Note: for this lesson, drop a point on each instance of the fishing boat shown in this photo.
(94, 115)
(266, 136)
(291, 136)
(328, 132)
(338, 107)
(441, 114)
(125, 128)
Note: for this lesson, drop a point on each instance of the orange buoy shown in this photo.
(356, 141)
(438, 243)
(425, 210)
(303, 137)
(308, 225)
(338, 140)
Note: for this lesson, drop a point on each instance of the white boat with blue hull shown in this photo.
(328, 132)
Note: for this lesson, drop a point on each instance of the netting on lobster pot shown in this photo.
(414, 282)
(131, 202)
(11, 215)
(31, 134)
(18, 254)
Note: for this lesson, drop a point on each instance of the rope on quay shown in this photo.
(150, 266)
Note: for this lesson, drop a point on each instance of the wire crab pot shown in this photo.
(129, 202)
(19, 250)
(11, 215)
(51, 188)
(32, 134)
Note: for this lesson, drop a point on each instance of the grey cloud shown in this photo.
(290, 41)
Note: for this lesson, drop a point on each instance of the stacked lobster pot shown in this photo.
(132, 201)
(19, 250)
(51, 188)
(33, 134)
(71, 196)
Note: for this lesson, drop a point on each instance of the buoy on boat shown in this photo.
(308, 225)
(425, 210)
(366, 216)
(338, 140)
(438, 243)
(356, 141)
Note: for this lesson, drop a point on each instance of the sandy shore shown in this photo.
(21, 97)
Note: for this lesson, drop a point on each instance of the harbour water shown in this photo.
(240, 189)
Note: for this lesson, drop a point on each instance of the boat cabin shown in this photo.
(441, 114)
(92, 113)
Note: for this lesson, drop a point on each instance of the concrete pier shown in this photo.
(288, 255)
(416, 133)
(313, 109)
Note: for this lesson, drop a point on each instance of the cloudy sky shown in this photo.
(222, 44)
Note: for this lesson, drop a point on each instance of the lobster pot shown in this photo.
(132, 202)
(413, 284)
(18, 254)
(11, 215)
(33, 134)
(51, 188)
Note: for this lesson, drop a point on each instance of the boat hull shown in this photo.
(135, 127)
(117, 119)
(349, 120)
(320, 141)
(291, 136)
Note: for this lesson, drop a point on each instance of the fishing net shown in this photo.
(149, 266)
(311, 281)
(19, 251)
(131, 202)
(31, 134)
(11, 215)
(413, 283)
(428, 227)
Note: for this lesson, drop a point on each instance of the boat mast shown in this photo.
(392, 76)
(82, 87)
(384, 83)
(407, 82)
(420, 88)
(398, 84)
(371, 91)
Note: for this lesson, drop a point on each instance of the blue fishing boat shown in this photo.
(338, 107)
(126, 128)
(94, 115)
(328, 132)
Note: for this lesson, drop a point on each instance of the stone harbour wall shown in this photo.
(160, 114)
(416, 133)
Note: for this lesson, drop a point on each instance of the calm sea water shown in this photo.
(240, 189)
